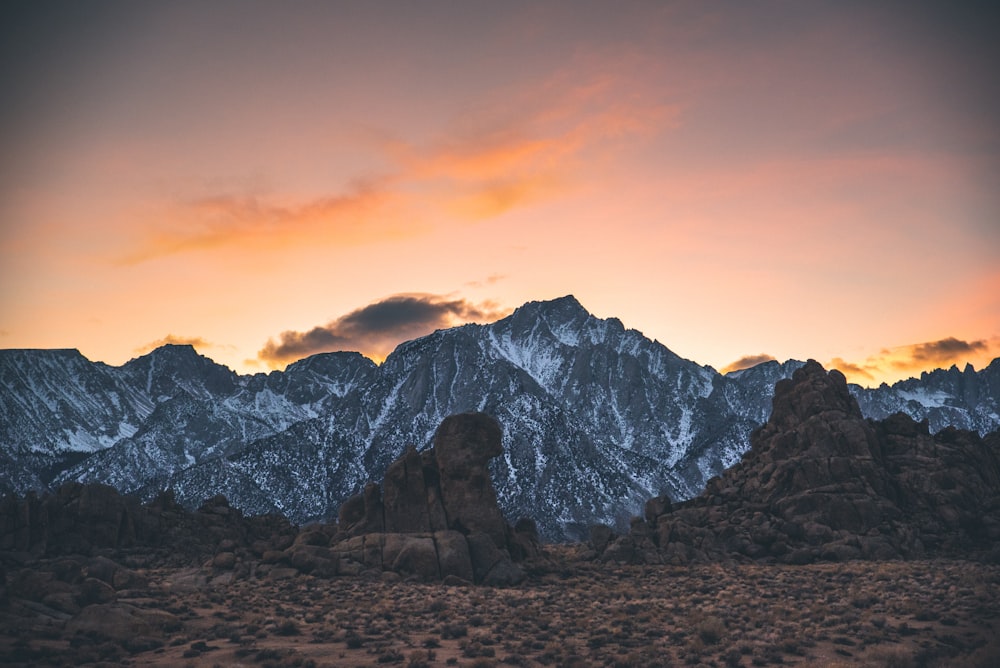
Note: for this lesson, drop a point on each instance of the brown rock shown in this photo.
(821, 482)
(432, 481)
(453, 555)
(417, 523)
(274, 556)
(314, 536)
(282, 573)
(374, 510)
(600, 536)
(63, 602)
(94, 591)
(126, 578)
(352, 515)
(313, 559)
(655, 507)
(405, 495)
(411, 554)
(463, 446)
(102, 568)
(491, 565)
(224, 560)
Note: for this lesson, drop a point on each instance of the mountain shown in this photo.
(821, 482)
(964, 399)
(596, 418)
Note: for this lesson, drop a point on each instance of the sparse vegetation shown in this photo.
(569, 613)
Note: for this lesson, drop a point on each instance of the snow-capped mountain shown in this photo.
(597, 418)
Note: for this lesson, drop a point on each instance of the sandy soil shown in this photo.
(568, 613)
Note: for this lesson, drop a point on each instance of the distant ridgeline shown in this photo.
(596, 419)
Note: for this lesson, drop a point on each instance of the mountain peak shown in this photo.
(566, 308)
(180, 350)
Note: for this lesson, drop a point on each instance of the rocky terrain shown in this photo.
(836, 541)
(597, 418)
(568, 612)
(821, 482)
(436, 514)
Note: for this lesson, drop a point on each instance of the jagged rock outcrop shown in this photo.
(436, 514)
(94, 519)
(822, 483)
(77, 556)
(435, 517)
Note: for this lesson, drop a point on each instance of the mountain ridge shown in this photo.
(596, 418)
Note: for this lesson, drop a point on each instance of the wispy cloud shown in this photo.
(529, 145)
(377, 328)
(515, 149)
(865, 370)
(219, 220)
(746, 362)
(492, 279)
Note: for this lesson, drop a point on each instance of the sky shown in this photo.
(740, 181)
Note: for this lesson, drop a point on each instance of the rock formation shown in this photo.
(434, 517)
(94, 519)
(436, 514)
(822, 483)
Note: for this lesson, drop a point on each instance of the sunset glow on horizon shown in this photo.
(740, 181)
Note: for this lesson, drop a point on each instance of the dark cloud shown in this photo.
(914, 358)
(943, 351)
(170, 339)
(377, 328)
(747, 361)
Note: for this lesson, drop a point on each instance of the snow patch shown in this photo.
(926, 397)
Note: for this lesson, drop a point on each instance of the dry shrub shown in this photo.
(421, 658)
(711, 630)
(287, 628)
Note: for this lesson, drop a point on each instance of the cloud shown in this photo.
(515, 148)
(170, 339)
(489, 280)
(852, 370)
(746, 362)
(218, 220)
(940, 352)
(532, 144)
(376, 329)
(917, 357)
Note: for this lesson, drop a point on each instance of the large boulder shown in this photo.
(463, 446)
(434, 510)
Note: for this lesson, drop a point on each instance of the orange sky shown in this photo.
(736, 180)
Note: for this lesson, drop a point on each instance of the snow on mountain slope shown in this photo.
(596, 418)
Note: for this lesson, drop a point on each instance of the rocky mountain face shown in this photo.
(822, 482)
(596, 418)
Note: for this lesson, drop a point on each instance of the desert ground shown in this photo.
(569, 612)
